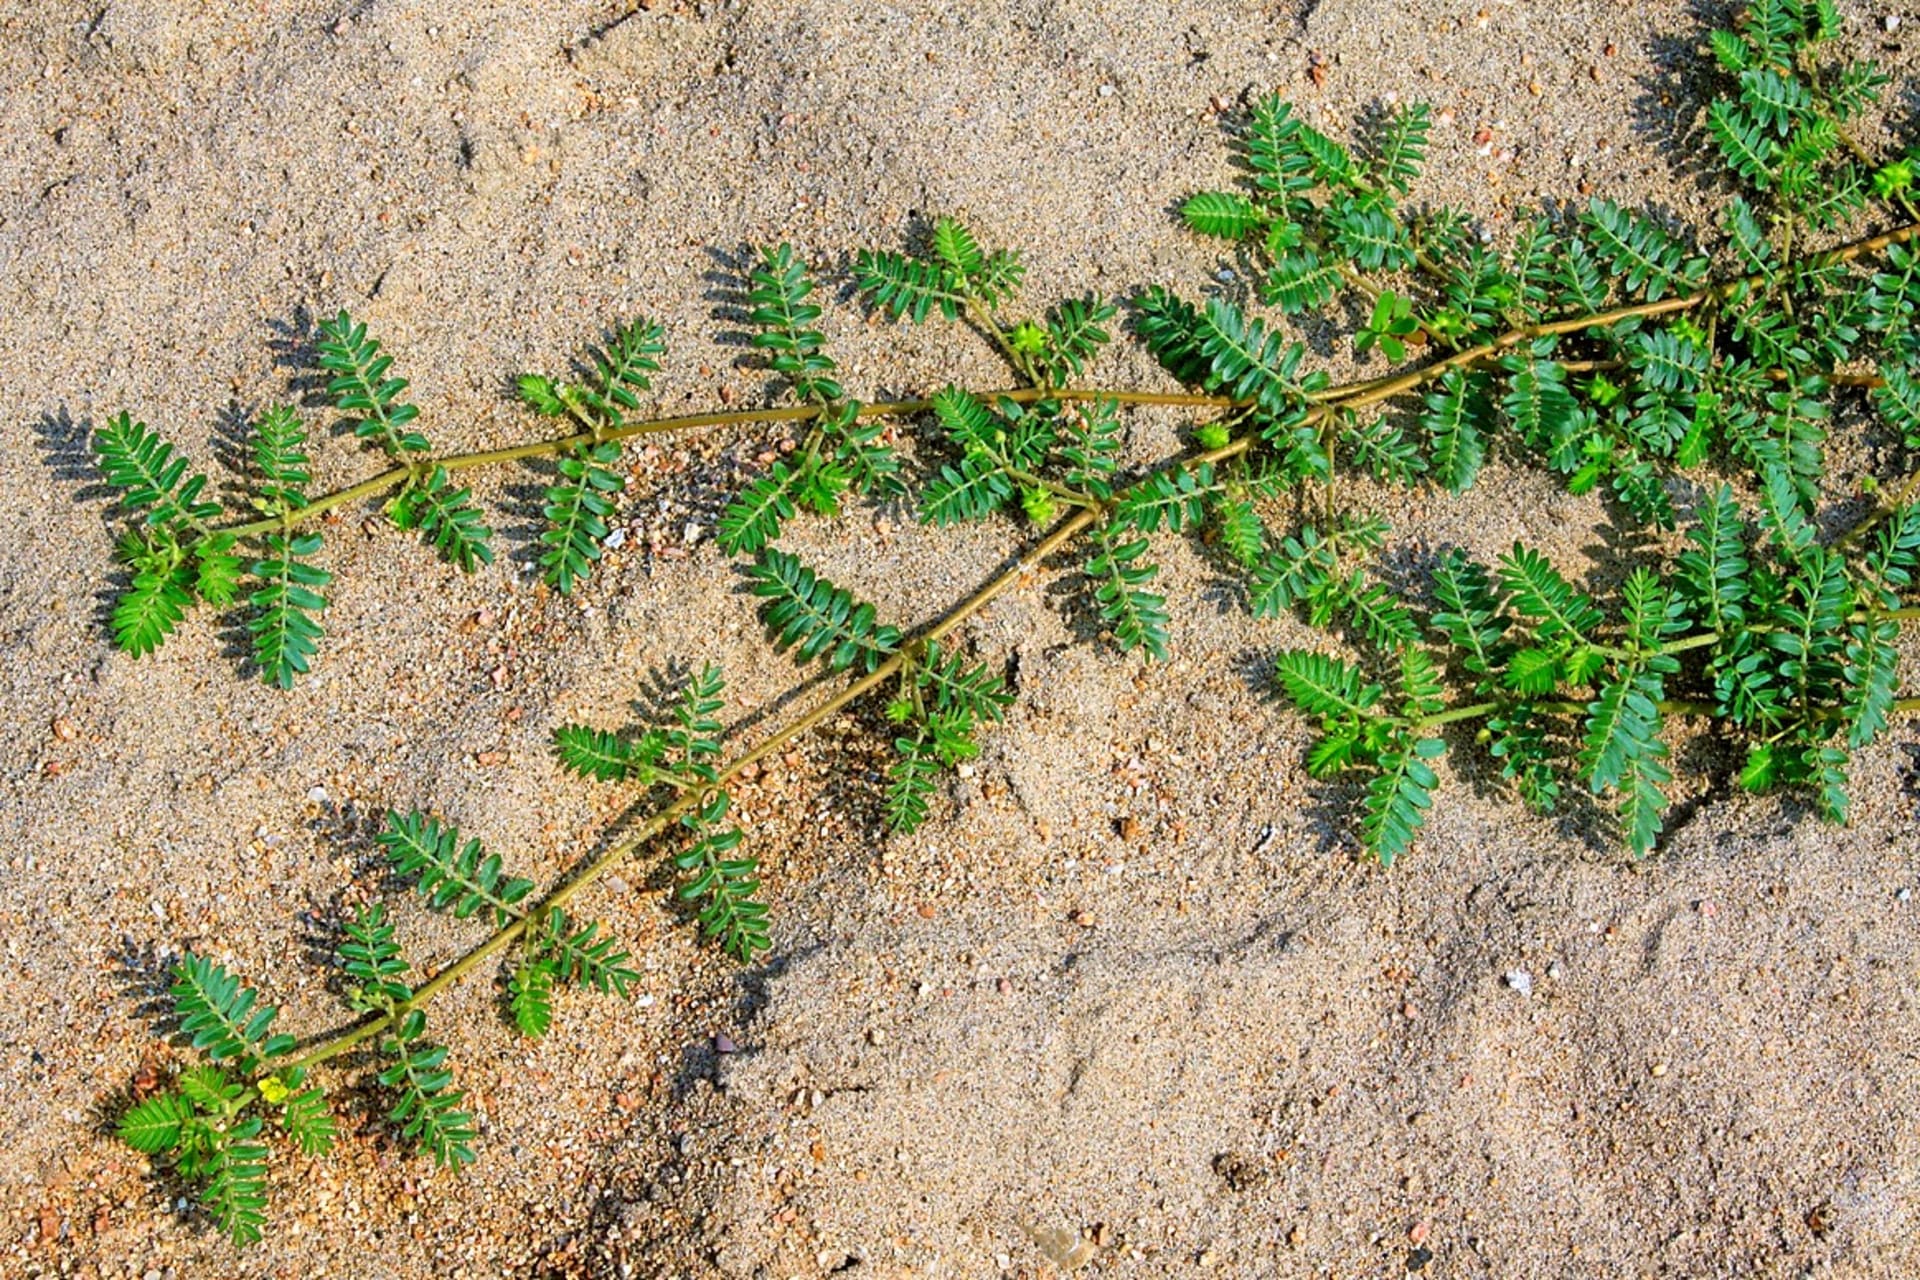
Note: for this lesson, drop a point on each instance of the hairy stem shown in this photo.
(556, 445)
(332, 1046)
(1352, 395)
(1670, 707)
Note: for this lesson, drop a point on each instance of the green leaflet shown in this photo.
(1398, 798)
(577, 511)
(813, 617)
(363, 386)
(285, 635)
(447, 518)
(779, 307)
(453, 876)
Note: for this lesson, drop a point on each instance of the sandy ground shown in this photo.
(1131, 985)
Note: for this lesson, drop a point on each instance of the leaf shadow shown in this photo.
(1669, 109)
(294, 343)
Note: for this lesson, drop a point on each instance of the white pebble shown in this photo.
(1890, 23)
(1520, 980)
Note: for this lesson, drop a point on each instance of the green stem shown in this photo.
(1353, 395)
(1416, 378)
(983, 320)
(343, 1041)
(1668, 707)
(376, 485)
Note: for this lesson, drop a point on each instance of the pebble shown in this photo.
(1657, 1070)
(1520, 980)
(1890, 23)
(723, 1043)
(1904, 895)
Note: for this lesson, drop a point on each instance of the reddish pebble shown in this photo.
(1419, 1233)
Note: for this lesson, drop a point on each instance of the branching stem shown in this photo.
(343, 1041)
(1671, 707)
(1352, 395)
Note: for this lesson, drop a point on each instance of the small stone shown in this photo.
(876, 1037)
(1657, 1070)
(1555, 972)
(1521, 981)
(1106, 91)
(1004, 987)
(723, 1043)
(1890, 23)
(1903, 895)
(1207, 1258)
(1419, 1232)
(65, 729)
(1082, 917)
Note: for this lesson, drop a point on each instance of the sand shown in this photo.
(1130, 992)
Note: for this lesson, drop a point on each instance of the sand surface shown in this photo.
(1131, 985)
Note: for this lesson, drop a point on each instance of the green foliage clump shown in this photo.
(1691, 377)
